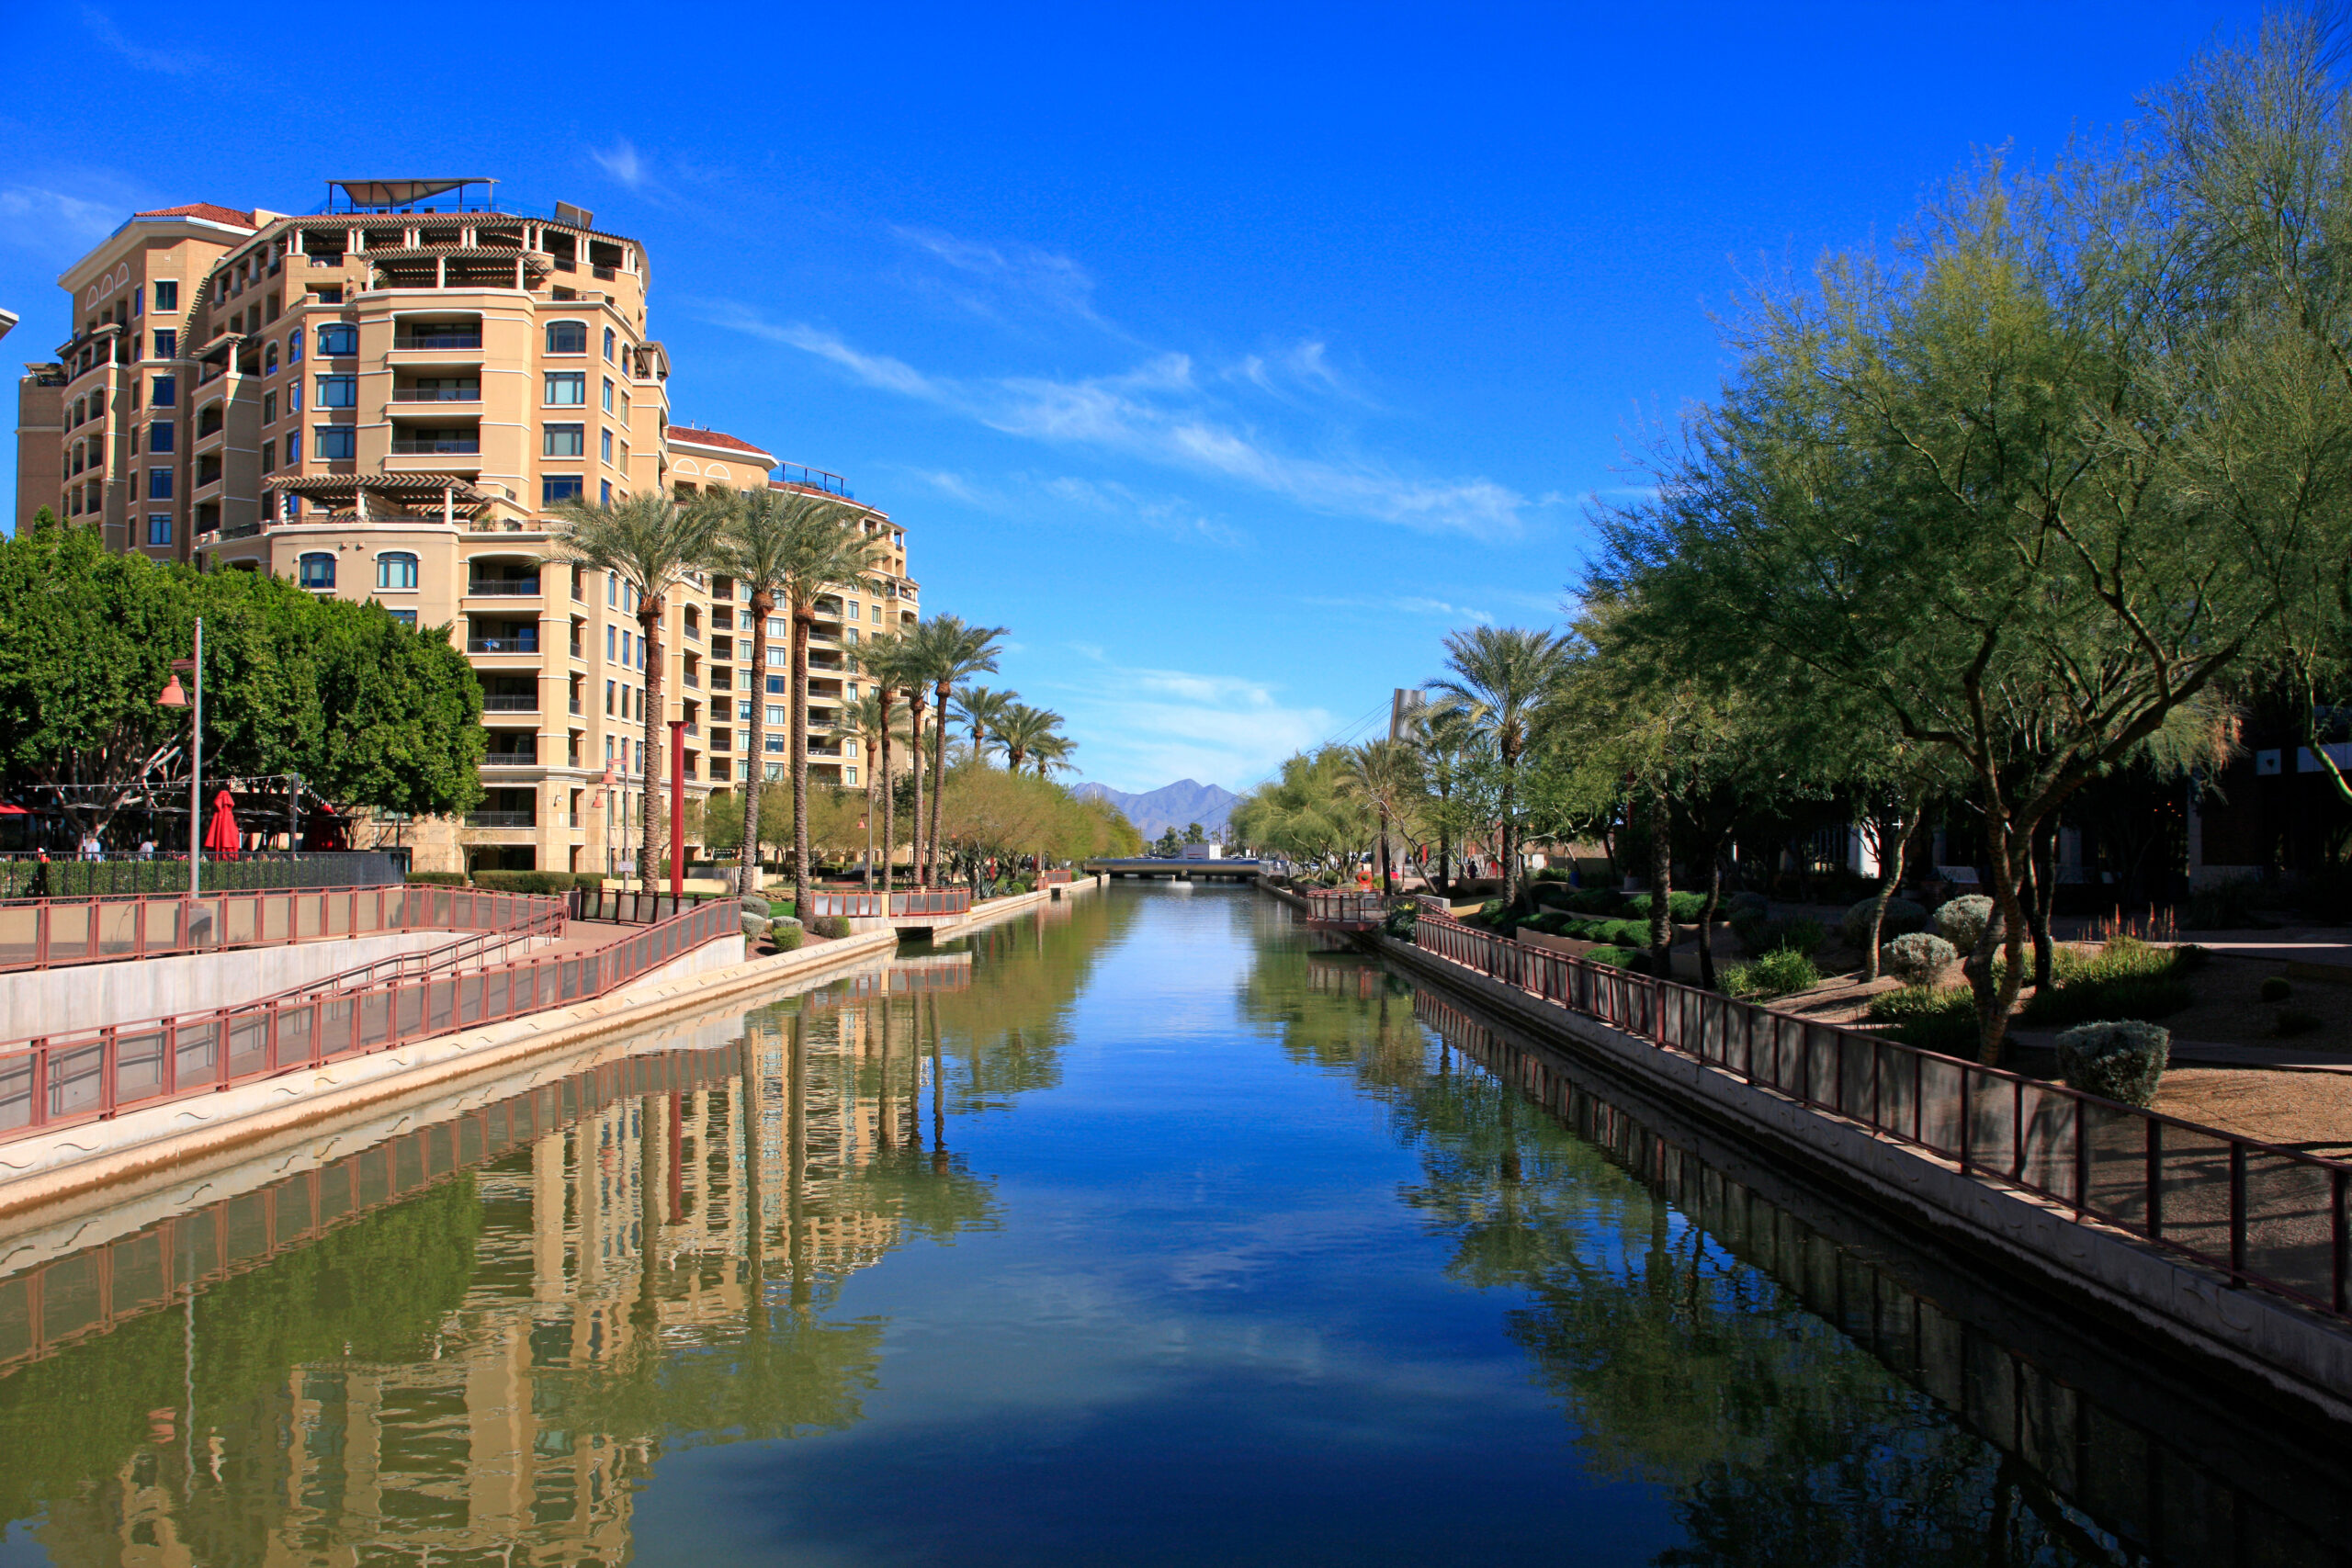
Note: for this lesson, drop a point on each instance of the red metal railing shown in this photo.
(2262, 1215)
(870, 905)
(1345, 906)
(60, 1080)
(47, 932)
(1054, 878)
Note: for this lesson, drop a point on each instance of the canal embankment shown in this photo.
(177, 1139)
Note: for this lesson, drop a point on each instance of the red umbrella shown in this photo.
(222, 837)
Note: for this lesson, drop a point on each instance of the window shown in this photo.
(293, 348)
(567, 337)
(608, 394)
(336, 443)
(605, 441)
(338, 391)
(779, 655)
(268, 456)
(605, 492)
(167, 295)
(293, 503)
(160, 436)
(269, 408)
(556, 489)
(778, 684)
(338, 340)
(327, 294)
(612, 589)
(270, 360)
(293, 397)
(565, 441)
(776, 742)
(567, 389)
(777, 714)
(849, 775)
(608, 696)
(159, 527)
(405, 617)
(316, 570)
(159, 484)
(396, 569)
(779, 627)
(167, 342)
(612, 641)
(608, 345)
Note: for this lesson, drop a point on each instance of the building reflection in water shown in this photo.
(468, 1344)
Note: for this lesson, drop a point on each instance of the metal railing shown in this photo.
(870, 906)
(501, 819)
(627, 907)
(501, 645)
(1341, 906)
(436, 394)
(517, 757)
(50, 932)
(1054, 878)
(415, 447)
(2266, 1216)
(24, 875)
(513, 701)
(63, 1080)
(503, 587)
(436, 340)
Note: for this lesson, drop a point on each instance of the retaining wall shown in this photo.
(130, 990)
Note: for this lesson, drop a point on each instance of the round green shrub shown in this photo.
(755, 905)
(2120, 1058)
(832, 927)
(1595, 900)
(1614, 957)
(2288, 1022)
(1915, 958)
(786, 935)
(1903, 918)
(1780, 972)
(1683, 907)
(1961, 922)
(2275, 989)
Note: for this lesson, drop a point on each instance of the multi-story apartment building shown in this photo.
(386, 399)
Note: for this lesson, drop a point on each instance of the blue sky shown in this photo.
(1228, 355)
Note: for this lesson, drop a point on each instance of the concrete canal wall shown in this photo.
(2245, 1335)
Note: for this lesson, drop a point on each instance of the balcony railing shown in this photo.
(501, 645)
(412, 446)
(511, 759)
(436, 394)
(814, 479)
(504, 588)
(502, 818)
(438, 340)
(513, 702)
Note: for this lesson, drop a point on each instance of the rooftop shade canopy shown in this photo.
(400, 192)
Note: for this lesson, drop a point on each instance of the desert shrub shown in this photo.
(1963, 921)
(755, 905)
(1903, 918)
(1594, 901)
(1615, 957)
(1616, 933)
(2288, 1022)
(2223, 907)
(754, 926)
(2125, 979)
(1929, 1017)
(1800, 935)
(2118, 1058)
(2275, 989)
(437, 878)
(786, 935)
(832, 927)
(1778, 974)
(1683, 907)
(1917, 957)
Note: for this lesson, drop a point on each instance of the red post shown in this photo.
(677, 813)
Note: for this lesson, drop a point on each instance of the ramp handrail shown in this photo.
(50, 933)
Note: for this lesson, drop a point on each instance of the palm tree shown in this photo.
(887, 661)
(979, 707)
(771, 541)
(1506, 682)
(1382, 774)
(957, 652)
(651, 546)
(1021, 730)
(1052, 751)
(875, 716)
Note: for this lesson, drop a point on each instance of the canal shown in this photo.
(1138, 1231)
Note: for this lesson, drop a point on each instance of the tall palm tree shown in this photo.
(651, 546)
(769, 540)
(1506, 680)
(957, 652)
(980, 708)
(1383, 775)
(887, 661)
(917, 655)
(875, 716)
(1052, 751)
(1021, 730)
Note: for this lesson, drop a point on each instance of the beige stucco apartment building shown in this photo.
(384, 399)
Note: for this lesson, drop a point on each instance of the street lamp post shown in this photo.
(677, 813)
(174, 697)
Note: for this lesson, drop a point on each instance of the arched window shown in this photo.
(317, 570)
(608, 343)
(567, 337)
(270, 360)
(396, 569)
(294, 347)
(339, 340)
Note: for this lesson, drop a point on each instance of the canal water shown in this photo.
(1134, 1232)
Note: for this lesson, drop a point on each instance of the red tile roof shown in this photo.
(205, 211)
(720, 439)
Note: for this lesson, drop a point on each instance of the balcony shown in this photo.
(467, 394)
(502, 818)
(513, 757)
(513, 702)
(505, 588)
(437, 340)
(528, 642)
(437, 447)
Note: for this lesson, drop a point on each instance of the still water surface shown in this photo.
(1135, 1232)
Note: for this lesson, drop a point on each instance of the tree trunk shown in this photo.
(1996, 993)
(763, 606)
(914, 743)
(2042, 886)
(1510, 856)
(1707, 915)
(804, 618)
(889, 800)
(649, 621)
(1388, 882)
(1661, 886)
(938, 772)
(1895, 832)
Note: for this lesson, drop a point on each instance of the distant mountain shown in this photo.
(1171, 806)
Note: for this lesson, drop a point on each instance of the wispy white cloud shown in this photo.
(999, 282)
(1019, 494)
(1158, 410)
(623, 163)
(1409, 604)
(61, 223)
(145, 56)
(1141, 727)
